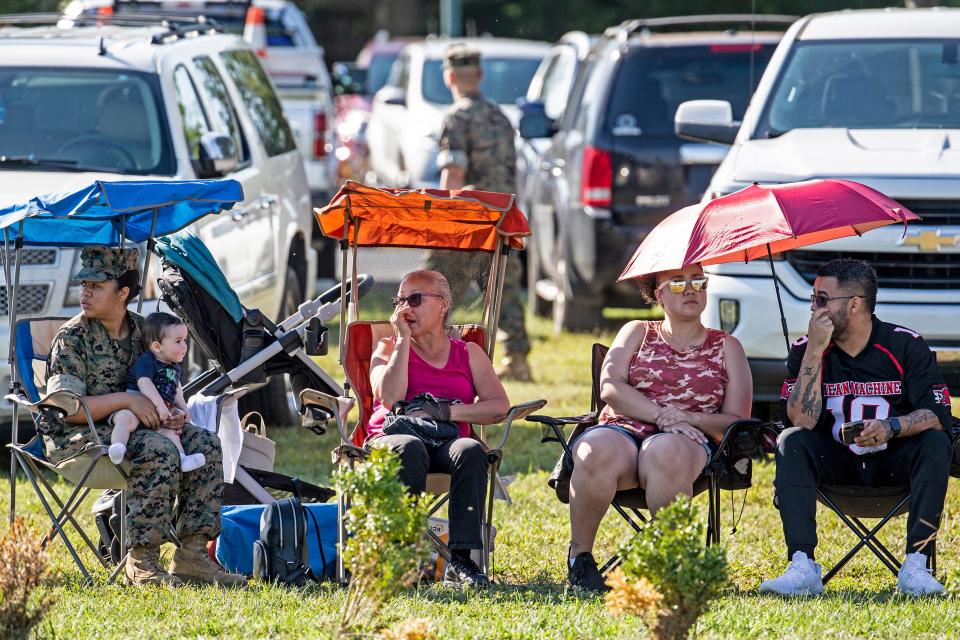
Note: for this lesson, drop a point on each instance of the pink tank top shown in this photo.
(454, 381)
(693, 380)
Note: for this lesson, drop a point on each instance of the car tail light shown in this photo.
(597, 190)
(319, 134)
(255, 30)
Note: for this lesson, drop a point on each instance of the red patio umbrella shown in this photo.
(762, 220)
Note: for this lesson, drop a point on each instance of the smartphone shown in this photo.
(850, 430)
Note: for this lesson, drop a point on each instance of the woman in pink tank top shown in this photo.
(670, 388)
(421, 358)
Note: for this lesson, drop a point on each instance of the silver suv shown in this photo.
(176, 101)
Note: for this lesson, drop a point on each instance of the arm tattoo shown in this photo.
(806, 394)
(915, 422)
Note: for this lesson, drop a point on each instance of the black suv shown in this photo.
(614, 166)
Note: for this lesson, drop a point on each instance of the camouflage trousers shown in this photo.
(461, 268)
(159, 495)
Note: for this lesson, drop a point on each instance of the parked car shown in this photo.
(614, 167)
(178, 102)
(550, 90)
(408, 110)
(355, 83)
(871, 96)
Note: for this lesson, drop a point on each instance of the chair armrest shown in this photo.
(63, 402)
(738, 424)
(330, 405)
(517, 412)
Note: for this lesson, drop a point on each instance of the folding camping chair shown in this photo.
(853, 503)
(465, 220)
(88, 469)
(362, 338)
(631, 502)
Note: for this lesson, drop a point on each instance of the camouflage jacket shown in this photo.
(477, 136)
(85, 359)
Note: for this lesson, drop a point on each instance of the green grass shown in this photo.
(529, 600)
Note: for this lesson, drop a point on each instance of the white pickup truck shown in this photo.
(278, 31)
(111, 102)
(871, 96)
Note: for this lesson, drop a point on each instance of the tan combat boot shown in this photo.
(191, 563)
(514, 367)
(143, 567)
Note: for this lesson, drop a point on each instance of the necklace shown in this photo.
(671, 340)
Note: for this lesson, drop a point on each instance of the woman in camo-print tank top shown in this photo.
(670, 388)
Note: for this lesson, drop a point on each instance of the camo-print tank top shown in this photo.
(693, 380)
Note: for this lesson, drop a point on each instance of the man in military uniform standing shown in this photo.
(91, 355)
(477, 152)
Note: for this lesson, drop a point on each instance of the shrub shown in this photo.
(385, 545)
(23, 564)
(669, 576)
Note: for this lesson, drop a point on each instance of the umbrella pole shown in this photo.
(776, 286)
(146, 260)
(14, 382)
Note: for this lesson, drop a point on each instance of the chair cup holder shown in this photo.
(315, 418)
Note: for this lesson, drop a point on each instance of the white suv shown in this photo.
(408, 111)
(179, 102)
(871, 96)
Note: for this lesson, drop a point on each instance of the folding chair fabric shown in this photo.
(866, 502)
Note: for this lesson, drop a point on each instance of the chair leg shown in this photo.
(59, 528)
(867, 538)
(487, 523)
(637, 520)
(68, 508)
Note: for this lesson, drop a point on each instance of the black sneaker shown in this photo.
(585, 574)
(464, 572)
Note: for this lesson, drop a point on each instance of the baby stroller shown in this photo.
(361, 216)
(245, 348)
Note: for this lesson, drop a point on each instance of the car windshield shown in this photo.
(504, 79)
(379, 71)
(82, 119)
(864, 84)
(652, 82)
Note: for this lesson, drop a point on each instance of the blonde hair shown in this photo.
(439, 283)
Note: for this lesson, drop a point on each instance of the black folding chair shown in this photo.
(87, 469)
(630, 503)
(853, 503)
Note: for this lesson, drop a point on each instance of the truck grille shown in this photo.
(31, 257)
(895, 270)
(31, 299)
(934, 212)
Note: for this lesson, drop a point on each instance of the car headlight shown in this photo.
(729, 314)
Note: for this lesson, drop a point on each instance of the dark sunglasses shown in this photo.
(821, 300)
(679, 286)
(413, 300)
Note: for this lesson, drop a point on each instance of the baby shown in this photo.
(156, 374)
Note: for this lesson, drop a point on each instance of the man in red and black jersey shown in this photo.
(851, 366)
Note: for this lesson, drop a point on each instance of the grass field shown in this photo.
(529, 600)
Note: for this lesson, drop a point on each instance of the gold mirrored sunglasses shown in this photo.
(679, 286)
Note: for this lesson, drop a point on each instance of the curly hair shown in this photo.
(647, 285)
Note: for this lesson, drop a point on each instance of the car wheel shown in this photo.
(276, 401)
(576, 307)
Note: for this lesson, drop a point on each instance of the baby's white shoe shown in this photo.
(116, 452)
(192, 461)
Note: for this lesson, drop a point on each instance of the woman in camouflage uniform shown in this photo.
(91, 355)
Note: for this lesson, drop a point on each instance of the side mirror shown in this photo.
(534, 122)
(706, 121)
(392, 95)
(218, 155)
(348, 79)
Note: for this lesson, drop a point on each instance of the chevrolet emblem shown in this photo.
(929, 241)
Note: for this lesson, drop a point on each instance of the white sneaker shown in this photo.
(915, 578)
(192, 461)
(116, 452)
(802, 578)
